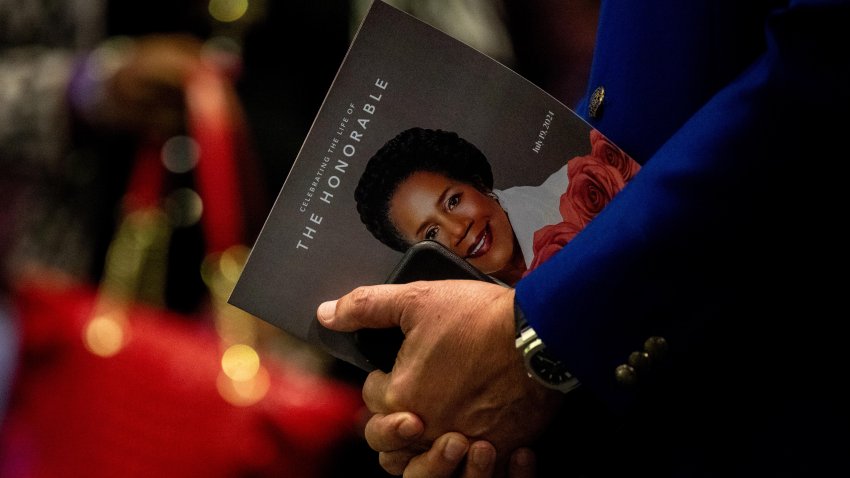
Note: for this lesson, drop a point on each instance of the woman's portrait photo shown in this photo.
(430, 184)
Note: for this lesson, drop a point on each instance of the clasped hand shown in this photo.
(458, 386)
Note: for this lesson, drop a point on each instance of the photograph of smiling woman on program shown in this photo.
(428, 184)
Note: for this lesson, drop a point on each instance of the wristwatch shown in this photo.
(539, 364)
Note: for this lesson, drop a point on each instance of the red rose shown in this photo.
(606, 151)
(593, 181)
(551, 239)
(591, 186)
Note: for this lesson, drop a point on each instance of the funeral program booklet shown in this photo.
(445, 144)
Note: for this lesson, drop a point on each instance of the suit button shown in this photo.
(656, 346)
(640, 360)
(594, 109)
(626, 374)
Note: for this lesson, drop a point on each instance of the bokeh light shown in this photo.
(105, 335)
(180, 154)
(240, 362)
(245, 392)
(228, 10)
(243, 381)
(232, 261)
(184, 207)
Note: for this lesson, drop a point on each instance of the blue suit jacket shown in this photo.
(737, 111)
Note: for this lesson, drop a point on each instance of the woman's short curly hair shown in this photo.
(411, 151)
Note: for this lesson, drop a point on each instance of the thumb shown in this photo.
(368, 307)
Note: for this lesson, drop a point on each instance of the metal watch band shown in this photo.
(551, 375)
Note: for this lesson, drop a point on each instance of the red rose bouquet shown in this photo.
(593, 181)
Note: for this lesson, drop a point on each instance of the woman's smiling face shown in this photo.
(468, 222)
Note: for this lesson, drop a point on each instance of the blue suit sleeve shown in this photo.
(693, 228)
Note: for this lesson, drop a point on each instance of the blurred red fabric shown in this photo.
(153, 408)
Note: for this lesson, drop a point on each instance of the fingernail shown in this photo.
(482, 457)
(325, 312)
(454, 450)
(408, 428)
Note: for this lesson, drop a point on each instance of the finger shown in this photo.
(441, 460)
(395, 462)
(378, 306)
(396, 431)
(522, 464)
(480, 460)
(375, 392)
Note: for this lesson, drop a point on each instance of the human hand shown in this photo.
(450, 455)
(457, 368)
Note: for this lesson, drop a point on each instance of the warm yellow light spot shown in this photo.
(228, 10)
(240, 362)
(232, 261)
(104, 335)
(243, 393)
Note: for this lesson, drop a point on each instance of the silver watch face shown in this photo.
(542, 367)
